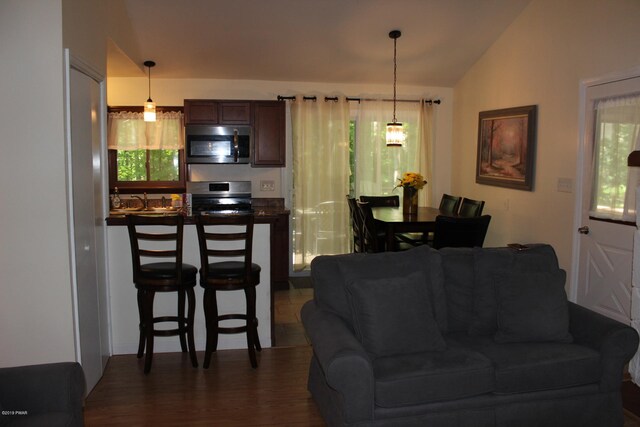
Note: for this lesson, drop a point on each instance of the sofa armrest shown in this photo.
(40, 389)
(616, 342)
(344, 362)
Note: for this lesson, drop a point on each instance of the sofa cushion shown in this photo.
(331, 274)
(459, 277)
(419, 378)
(532, 307)
(394, 315)
(526, 367)
(489, 261)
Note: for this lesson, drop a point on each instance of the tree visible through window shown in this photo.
(617, 129)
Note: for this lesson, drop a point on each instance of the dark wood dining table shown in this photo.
(393, 221)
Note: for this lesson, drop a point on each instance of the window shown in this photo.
(146, 156)
(617, 129)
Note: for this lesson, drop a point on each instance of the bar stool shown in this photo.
(233, 237)
(170, 276)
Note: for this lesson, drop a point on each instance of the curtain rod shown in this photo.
(349, 98)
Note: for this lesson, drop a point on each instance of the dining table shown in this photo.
(393, 221)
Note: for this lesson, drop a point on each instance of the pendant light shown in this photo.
(149, 106)
(395, 133)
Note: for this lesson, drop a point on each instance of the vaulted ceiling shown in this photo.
(339, 41)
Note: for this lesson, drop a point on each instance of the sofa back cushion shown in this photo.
(532, 307)
(459, 278)
(490, 263)
(332, 274)
(394, 315)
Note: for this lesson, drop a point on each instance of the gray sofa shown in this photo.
(48, 395)
(460, 337)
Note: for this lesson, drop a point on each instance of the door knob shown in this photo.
(583, 230)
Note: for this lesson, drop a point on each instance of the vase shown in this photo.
(410, 201)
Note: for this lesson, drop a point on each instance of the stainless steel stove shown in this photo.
(220, 197)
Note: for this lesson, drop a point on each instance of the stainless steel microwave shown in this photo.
(218, 144)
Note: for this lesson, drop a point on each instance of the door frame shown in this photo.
(73, 62)
(583, 142)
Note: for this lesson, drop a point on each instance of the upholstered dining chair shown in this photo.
(449, 205)
(456, 231)
(470, 207)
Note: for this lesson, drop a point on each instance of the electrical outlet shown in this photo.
(267, 185)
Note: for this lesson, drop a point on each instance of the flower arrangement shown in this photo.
(411, 180)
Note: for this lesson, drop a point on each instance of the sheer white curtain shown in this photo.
(617, 133)
(379, 167)
(320, 131)
(128, 131)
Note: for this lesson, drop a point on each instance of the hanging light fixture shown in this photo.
(395, 133)
(149, 106)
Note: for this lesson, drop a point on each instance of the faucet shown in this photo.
(145, 201)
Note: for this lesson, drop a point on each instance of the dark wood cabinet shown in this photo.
(211, 112)
(234, 113)
(200, 112)
(268, 134)
(280, 252)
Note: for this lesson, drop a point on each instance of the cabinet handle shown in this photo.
(583, 230)
(236, 149)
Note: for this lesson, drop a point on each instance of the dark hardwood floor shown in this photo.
(229, 393)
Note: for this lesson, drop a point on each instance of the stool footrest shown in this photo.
(231, 329)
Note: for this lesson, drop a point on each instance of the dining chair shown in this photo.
(356, 225)
(378, 201)
(226, 246)
(449, 205)
(374, 238)
(457, 232)
(161, 237)
(470, 207)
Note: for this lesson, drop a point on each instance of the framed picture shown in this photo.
(506, 147)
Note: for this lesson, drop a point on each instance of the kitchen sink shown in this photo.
(150, 211)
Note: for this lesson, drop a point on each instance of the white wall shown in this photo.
(36, 311)
(133, 91)
(36, 323)
(541, 59)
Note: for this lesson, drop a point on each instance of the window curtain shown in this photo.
(320, 133)
(128, 131)
(617, 133)
(379, 167)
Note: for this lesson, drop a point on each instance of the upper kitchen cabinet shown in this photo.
(210, 112)
(268, 134)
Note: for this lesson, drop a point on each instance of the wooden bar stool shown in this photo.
(232, 237)
(170, 276)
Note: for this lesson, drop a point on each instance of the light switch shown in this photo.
(565, 185)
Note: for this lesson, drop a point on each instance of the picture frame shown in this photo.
(506, 147)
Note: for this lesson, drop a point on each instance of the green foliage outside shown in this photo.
(615, 144)
(163, 165)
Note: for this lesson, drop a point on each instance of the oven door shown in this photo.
(218, 144)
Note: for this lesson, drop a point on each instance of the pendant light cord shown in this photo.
(149, 100)
(394, 35)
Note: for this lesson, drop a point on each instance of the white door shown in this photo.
(605, 247)
(87, 223)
